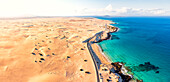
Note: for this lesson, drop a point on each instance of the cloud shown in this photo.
(109, 7)
(125, 11)
(139, 12)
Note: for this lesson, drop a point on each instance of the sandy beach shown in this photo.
(47, 49)
(107, 72)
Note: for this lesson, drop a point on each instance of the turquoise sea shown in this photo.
(143, 44)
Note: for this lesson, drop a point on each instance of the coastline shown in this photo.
(123, 69)
(128, 49)
(38, 39)
(104, 59)
(100, 49)
(104, 68)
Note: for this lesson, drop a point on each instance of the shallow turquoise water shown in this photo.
(141, 40)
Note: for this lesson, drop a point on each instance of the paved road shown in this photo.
(97, 36)
(91, 53)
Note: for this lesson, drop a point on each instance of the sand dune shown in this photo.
(47, 49)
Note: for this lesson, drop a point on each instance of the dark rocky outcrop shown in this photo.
(117, 67)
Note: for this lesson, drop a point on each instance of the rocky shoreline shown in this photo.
(118, 66)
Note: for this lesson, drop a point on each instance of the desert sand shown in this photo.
(47, 49)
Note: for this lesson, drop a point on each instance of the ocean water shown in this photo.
(143, 44)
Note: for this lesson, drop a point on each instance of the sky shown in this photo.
(18, 8)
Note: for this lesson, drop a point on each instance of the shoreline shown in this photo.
(104, 65)
(109, 60)
(69, 61)
(100, 49)
(118, 66)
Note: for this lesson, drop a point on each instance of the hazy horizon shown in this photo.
(29, 8)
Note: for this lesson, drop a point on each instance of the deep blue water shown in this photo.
(141, 40)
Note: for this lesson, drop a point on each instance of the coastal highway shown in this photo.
(88, 41)
(91, 53)
(97, 36)
(96, 60)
